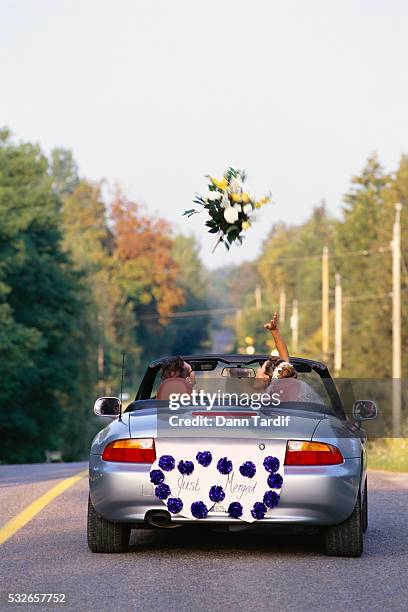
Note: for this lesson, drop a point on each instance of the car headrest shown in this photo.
(173, 385)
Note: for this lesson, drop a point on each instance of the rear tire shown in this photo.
(346, 539)
(365, 508)
(106, 536)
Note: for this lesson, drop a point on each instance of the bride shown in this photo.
(278, 374)
(276, 367)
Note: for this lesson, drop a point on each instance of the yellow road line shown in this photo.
(26, 515)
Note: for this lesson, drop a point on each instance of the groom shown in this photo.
(178, 378)
(176, 367)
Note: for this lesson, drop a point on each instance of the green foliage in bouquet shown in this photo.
(229, 207)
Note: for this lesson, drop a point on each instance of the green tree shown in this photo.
(359, 250)
(189, 335)
(396, 191)
(146, 275)
(40, 305)
(64, 171)
(367, 226)
(88, 242)
(290, 261)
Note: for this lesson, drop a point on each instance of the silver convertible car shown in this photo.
(295, 463)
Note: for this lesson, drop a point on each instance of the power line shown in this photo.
(364, 253)
(283, 260)
(227, 311)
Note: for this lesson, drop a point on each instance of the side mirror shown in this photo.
(364, 410)
(107, 406)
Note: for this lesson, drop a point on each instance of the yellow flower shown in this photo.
(264, 200)
(236, 197)
(245, 198)
(246, 225)
(222, 184)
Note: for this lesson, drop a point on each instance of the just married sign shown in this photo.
(192, 482)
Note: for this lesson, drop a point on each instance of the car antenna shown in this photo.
(121, 384)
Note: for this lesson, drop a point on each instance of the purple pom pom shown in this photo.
(224, 465)
(199, 510)
(167, 463)
(204, 458)
(162, 491)
(185, 467)
(271, 499)
(216, 494)
(174, 505)
(271, 464)
(259, 510)
(275, 481)
(235, 510)
(248, 469)
(156, 476)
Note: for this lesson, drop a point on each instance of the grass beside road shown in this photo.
(389, 454)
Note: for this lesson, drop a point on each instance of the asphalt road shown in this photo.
(182, 570)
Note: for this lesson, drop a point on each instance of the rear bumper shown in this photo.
(324, 495)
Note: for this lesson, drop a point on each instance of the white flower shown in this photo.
(213, 196)
(247, 209)
(235, 185)
(225, 203)
(231, 214)
(238, 207)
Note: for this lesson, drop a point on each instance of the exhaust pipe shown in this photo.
(159, 518)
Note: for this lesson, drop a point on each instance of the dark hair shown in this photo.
(174, 367)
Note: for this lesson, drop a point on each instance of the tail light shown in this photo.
(139, 450)
(312, 453)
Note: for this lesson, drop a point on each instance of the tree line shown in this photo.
(83, 277)
(359, 250)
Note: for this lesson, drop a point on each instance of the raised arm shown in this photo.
(280, 344)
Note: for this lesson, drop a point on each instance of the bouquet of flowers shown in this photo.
(229, 207)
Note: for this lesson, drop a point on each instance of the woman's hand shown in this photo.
(272, 326)
(273, 323)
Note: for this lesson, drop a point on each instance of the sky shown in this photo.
(155, 94)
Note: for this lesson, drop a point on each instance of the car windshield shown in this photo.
(232, 382)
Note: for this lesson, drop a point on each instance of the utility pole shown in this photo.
(396, 322)
(238, 316)
(101, 357)
(338, 338)
(282, 306)
(325, 303)
(294, 325)
(258, 297)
